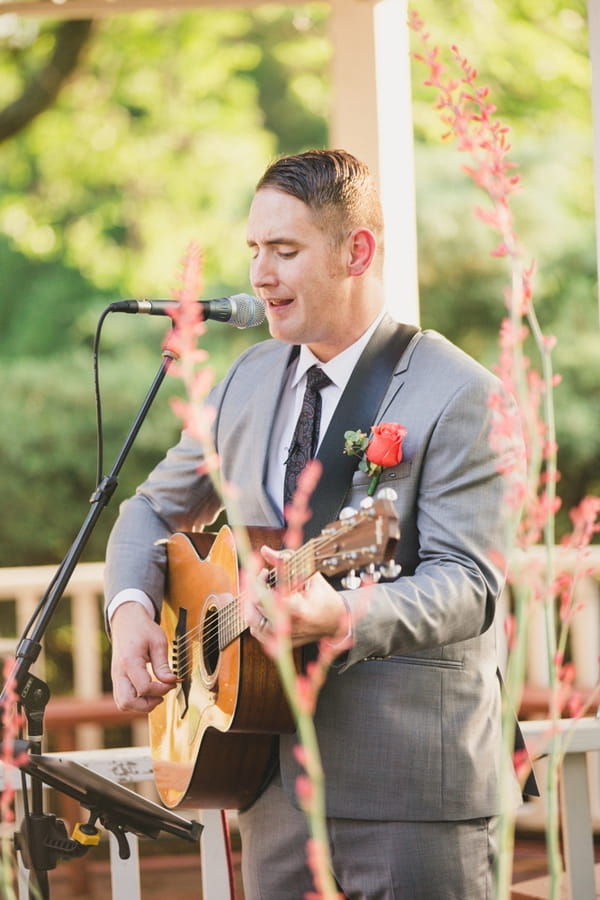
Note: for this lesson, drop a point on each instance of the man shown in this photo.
(408, 720)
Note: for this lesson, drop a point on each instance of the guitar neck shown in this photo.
(356, 540)
(294, 569)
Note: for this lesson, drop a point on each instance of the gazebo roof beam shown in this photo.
(91, 9)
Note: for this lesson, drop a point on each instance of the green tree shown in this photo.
(157, 138)
(38, 90)
(157, 141)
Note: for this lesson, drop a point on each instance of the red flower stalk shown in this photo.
(466, 110)
(470, 116)
(12, 722)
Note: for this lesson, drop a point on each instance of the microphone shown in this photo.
(241, 310)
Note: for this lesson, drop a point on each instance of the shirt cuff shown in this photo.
(129, 595)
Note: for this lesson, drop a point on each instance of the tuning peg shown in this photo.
(371, 575)
(387, 493)
(351, 581)
(367, 503)
(348, 512)
(391, 569)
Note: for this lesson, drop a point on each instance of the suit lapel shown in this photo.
(270, 402)
(356, 410)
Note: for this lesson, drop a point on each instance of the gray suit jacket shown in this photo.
(409, 720)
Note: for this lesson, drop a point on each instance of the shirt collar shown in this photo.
(341, 366)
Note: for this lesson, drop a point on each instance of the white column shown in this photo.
(353, 122)
(396, 158)
(371, 116)
(594, 37)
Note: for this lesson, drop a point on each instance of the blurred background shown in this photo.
(157, 139)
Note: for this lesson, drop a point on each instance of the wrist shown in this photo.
(131, 599)
(344, 633)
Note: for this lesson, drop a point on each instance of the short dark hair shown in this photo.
(336, 186)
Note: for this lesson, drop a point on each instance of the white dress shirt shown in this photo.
(339, 369)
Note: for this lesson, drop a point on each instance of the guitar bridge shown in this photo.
(179, 662)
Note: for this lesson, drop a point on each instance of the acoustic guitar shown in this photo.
(213, 736)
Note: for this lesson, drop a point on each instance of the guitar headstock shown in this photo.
(359, 539)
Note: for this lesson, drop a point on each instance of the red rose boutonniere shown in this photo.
(382, 450)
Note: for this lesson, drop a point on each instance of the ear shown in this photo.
(362, 245)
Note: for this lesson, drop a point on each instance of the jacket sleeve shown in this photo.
(175, 497)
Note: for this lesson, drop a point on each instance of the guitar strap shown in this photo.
(355, 411)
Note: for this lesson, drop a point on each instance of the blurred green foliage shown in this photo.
(534, 57)
(159, 140)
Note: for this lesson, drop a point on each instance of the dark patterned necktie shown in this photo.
(306, 435)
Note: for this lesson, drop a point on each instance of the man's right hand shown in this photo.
(136, 641)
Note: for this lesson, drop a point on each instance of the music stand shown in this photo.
(118, 808)
(43, 840)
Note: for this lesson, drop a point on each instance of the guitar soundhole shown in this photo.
(210, 640)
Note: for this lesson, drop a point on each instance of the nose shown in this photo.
(262, 270)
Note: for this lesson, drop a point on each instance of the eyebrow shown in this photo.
(273, 241)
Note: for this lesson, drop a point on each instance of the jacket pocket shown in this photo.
(418, 661)
(388, 476)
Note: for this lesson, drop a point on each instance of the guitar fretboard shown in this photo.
(294, 570)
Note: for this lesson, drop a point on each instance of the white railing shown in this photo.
(22, 587)
(576, 740)
(583, 649)
(579, 741)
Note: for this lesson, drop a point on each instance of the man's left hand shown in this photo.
(316, 611)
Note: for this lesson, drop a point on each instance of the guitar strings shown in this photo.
(230, 615)
(227, 617)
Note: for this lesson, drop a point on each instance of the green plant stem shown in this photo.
(515, 677)
(555, 756)
(308, 740)
(7, 865)
(373, 484)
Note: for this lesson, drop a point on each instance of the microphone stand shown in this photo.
(42, 840)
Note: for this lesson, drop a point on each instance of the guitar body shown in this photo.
(213, 736)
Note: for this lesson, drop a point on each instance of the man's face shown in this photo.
(302, 279)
